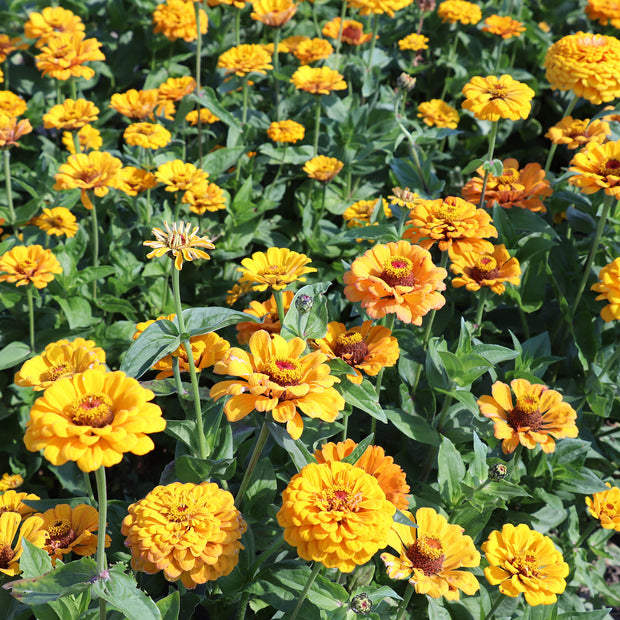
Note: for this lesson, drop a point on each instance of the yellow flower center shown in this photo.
(448, 212)
(610, 167)
(340, 498)
(526, 564)
(6, 553)
(275, 270)
(427, 554)
(178, 513)
(526, 415)
(351, 347)
(485, 268)
(284, 371)
(497, 91)
(58, 372)
(60, 533)
(398, 271)
(486, 263)
(510, 175)
(92, 410)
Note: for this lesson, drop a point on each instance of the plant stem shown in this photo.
(321, 210)
(30, 316)
(7, 181)
(302, 597)
(237, 26)
(402, 608)
(317, 124)
(389, 323)
(496, 603)
(244, 114)
(514, 462)
(102, 497)
(553, 148)
(95, 240)
(429, 323)
(482, 298)
(610, 362)
(591, 527)
(343, 13)
(89, 490)
(247, 476)
(197, 6)
(277, 295)
(442, 415)
(202, 446)
(492, 139)
(276, 69)
(375, 28)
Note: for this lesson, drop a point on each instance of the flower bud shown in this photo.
(498, 472)
(406, 82)
(361, 604)
(304, 304)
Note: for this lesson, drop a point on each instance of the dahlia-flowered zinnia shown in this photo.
(147, 135)
(389, 475)
(63, 56)
(318, 80)
(244, 59)
(378, 7)
(276, 269)
(503, 26)
(525, 561)
(12, 104)
(203, 196)
(206, 117)
(491, 98)
(135, 180)
(608, 289)
(605, 11)
(352, 31)
(276, 377)
(191, 532)
(273, 13)
(459, 11)
(268, 312)
(287, 132)
(30, 264)
(321, 168)
(56, 221)
(71, 114)
(50, 22)
(576, 133)
(176, 19)
(174, 89)
(414, 42)
(605, 506)
(14, 530)
(437, 113)
(336, 514)
(178, 176)
(597, 167)
(141, 104)
(312, 50)
(93, 418)
(431, 554)
(539, 415)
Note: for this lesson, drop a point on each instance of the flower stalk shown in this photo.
(489, 160)
(30, 316)
(553, 148)
(317, 124)
(95, 240)
(302, 597)
(102, 497)
(197, 6)
(247, 476)
(7, 181)
(402, 608)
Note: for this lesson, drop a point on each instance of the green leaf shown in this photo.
(193, 469)
(583, 481)
(77, 311)
(200, 321)
(14, 353)
(182, 430)
(218, 162)
(472, 166)
(170, 606)
(359, 450)
(208, 99)
(312, 324)
(296, 449)
(436, 372)
(262, 489)
(413, 426)
(478, 467)
(363, 397)
(294, 155)
(494, 353)
(403, 519)
(34, 561)
(599, 614)
(114, 305)
(451, 471)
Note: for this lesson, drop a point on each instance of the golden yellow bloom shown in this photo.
(490, 98)
(396, 278)
(378, 7)
(588, 64)
(360, 213)
(275, 376)
(206, 117)
(605, 506)
(60, 360)
(336, 514)
(244, 59)
(414, 42)
(71, 115)
(174, 89)
(312, 50)
(30, 264)
(189, 531)
(11, 547)
(364, 347)
(322, 168)
(538, 415)
(459, 11)
(268, 311)
(179, 176)
(179, 242)
(505, 26)
(56, 221)
(605, 11)
(352, 31)
(176, 19)
(64, 56)
(576, 133)
(275, 269)
(608, 287)
(147, 135)
(286, 131)
(437, 113)
(475, 270)
(597, 167)
(273, 13)
(289, 45)
(238, 4)
(431, 554)
(93, 418)
(10, 481)
(525, 188)
(51, 22)
(141, 104)
(524, 561)
(12, 501)
(204, 197)
(11, 104)
(11, 130)
(71, 530)
(317, 80)
(135, 180)
(8, 45)
(89, 139)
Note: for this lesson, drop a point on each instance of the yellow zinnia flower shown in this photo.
(147, 135)
(597, 167)
(538, 416)
(276, 377)
(93, 418)
(490, 98)
(64, 55)
(431, 554)
(313, 50)
(135, 180)
(50, 22)
(318, 80)
(71, 115)
(322, 168)
(505, 26)
(30, 264)
(179, 176)
(11, 547)
(289, 45)
(273, 13)
(89, 139)
(524, 561)
(414, 42)
(336, 514)
(176, 19)
(608, 287)
(10, 481)
(459, 11)
(286, 131)
(204, 197)
(189, 531)
(8, 45)
(576, 133)
(378, 7)
(12, 501)
(206, 117)
(11, 104)
(56, 221)
(437, 113)
(244, 59)
(275, 269)
(605, 506)
(141, 104)
(268, 311)
(12, 129)
(174, 89)
(360, 213)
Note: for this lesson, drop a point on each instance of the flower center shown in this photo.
(526, 564)
(340, 498)
(92, 410)
(351, 34)
(6, 553)
(592, 40)
(60, 533)
(510, 175)
(485, 268)
(178, 513)
(448, 212)
(88, 175)
(398, 271)
(427, 554)
(526, 414)
(611, 167)
(275, 270)
(58, 371)
(284, 371)
(27, 267)
(497, 91)
(351, 347)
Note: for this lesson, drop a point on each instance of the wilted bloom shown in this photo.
(147, 135)
(597, 167)
(490, 98)
(414, 42)
(56, 221)
(268, 311)
(244, 59)
(30, 264)
(71, 114)
(275, 269)
(312, 50)
(538, 416)
(318, 80)
(189, 531)
(352, 31)
(431, 554)
(576, 133)
(608, 288)
(51, 22)
(12, 129)
(203, 197)
(475, 270)
(323, 168)
(503, 26)
(89, 139)
(11, 104)
(273, 13)
(459, 11)
(11, 547)
(437, 113)
(336, 514)
(524, 561)
(176, 19)
(174, 89)
(10, 481)
(286, 131)
(605, 506)
(63, 56)
(179, 242)
(179, 176)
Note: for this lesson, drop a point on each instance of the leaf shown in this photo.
(170, 606)
(403, 519)
(14, 353)
(359, 450)
(193, 469)
(494, 353)
(200, 321)
(182, 430)
(451, 471)
(472, 166)
(296, 449)
(583, 481)
(77, 311)
(262, 489)
(208, 99)
(312, 324)
(34, 561)
(413, 426)
(363, 397)
(478, 467)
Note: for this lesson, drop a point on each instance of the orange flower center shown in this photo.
(88, 175)
(398, 271)
(27, 267)
(351, 34)
(92, 410)
(58, 371)
(60, 533)
(6, 553)
(340, 498)
(526, 414)
(610, 167)
(427, 554)
(526, 564)
(284, 371)
(497, 91)
(351, 347)
(485, 268)
(178, 513)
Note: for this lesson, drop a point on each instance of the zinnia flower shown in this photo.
(174, 89)
(64, 56)
(179, 176)
(244, 59)
(11, 104)
(588, 64)
(597, 167)
(10, 481)
(238, 291)
(490, 98)
(176, 19)
(286, 131)
(11, 547)
(89, 139)
(93, 418)
(437, 113)
(459, 11)
(273, 13)
(336, 514)
(364, 347)
(141, 104)
(605, 11)
(475, 270)
(203, 197)
(30, 264)
(268, 311)
(538, 416)
(313, 50)
(360, 213)
(352, 31)
(50, 22)
(147, 135)
(605, 506)
(323, 168)
(71, 115)
(289, 45)
(503, 26)
(391, 477)
(431, 554)
(136, 180)
(206, 117)
(524, 561)
(189, 531)
(8, 45)
(576, 133)
(12, 129)
(608, 287)
(414, 42)
(275, 269)
(179, 242)
(275, 376)
(378, 7)
(12, 501)
(318, 80)
(56, 221)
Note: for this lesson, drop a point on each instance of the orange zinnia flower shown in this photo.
(11, 130)
(605, 11)
(176, 19)
(318, 80)
(505, 26)
(140, 104)
(174, 89)
(244, 59)
(576, 133)
(273, 13)
(459, 11)
(179, 176)
(597, 167)
(605, 506)
(29, 265)
(268, 311)
(71, 115)
(352, 31)
(490, 98)
(51, 22)
(437, 113)
(312, 50)
(11, 104)
(64, 56)
(608, 289)
(89, 139)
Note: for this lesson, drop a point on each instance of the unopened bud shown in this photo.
(406, 82)
(304, 304)
(498, 472)
(426, 5)
(361, 604)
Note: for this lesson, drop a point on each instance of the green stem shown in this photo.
(591, 527)
(176, 373)
(610, 362)
(492, 139)
(498, 57)
(514, 463)
(243, 605)
(553, 148)
(429, 323)
(95, 240)
(442, 415)
(277, 295)
(237, 26)
(482, 298)
(375, 28)
(321, 211)
(345, 425)
(247, 476)
(276, 69)
(302, 597)
(526, 327)
(343, 14)
(317, 124)
(496, 603)
(244, 114)
(73, 87)
(89, 489)
(389, 323)
(402, 608)
(7, 181)
(595, 243)
(102, 497)
(202, 446)
(76, 141)
(197, 6)
(451, 57)
(30, 317)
